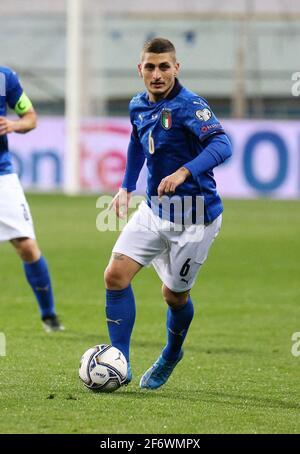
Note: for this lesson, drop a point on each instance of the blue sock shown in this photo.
(120, 313)
(178, 322)
(38, 276)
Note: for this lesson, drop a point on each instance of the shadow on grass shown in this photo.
(95, 339)
(151, 345)
(251, 401)
(71, 336)
(211, 397)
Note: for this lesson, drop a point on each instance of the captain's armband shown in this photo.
(23, 105)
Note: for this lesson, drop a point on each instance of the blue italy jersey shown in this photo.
(179, 130)
(10, 93)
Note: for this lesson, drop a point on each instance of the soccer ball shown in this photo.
(103, 368)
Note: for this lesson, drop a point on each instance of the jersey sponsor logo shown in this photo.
(42, 289)
(119, 358)
(166, 119)
(117, 322)
(180, 333)
(208, 127)
(184, 280)
(203, 115)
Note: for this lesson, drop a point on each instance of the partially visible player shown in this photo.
(180, 138)
(16, 223)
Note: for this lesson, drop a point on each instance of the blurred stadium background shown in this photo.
(77, 61)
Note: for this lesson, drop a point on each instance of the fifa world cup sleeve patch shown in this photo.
(23, 104)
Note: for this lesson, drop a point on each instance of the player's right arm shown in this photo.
(134, 164)
(120, 202)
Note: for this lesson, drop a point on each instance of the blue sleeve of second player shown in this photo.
(13, 89)
(134, 164)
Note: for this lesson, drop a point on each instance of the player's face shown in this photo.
(158, 72)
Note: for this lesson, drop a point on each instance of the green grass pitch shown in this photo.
(238, 374)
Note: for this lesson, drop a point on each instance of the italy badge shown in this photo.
(166, 119)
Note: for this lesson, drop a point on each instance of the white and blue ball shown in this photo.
(103, 368)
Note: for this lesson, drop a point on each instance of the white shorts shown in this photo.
(176, 255)
(15, 217)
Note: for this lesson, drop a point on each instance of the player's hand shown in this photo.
(6, 126)
(169, 184)
(120, 203)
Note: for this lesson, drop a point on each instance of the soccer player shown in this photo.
(15, 219)
(180, 138)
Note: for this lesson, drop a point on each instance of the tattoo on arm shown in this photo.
(117, 256)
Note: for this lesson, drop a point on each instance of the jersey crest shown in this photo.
(166, 119)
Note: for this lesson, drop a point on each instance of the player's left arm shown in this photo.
(27, 117)
(17, 100)
(215, 150)
(169, 184)
(214, 147)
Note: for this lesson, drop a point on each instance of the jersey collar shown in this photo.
(175, 90)
(173, 93)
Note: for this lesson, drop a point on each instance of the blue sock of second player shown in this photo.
(178, 322)
(120, 313)
(38, 276)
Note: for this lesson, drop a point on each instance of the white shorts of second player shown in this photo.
(176, 255)
(15, 217)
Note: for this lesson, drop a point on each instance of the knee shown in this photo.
(115, 278)
(174, 300)
(27, 249)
